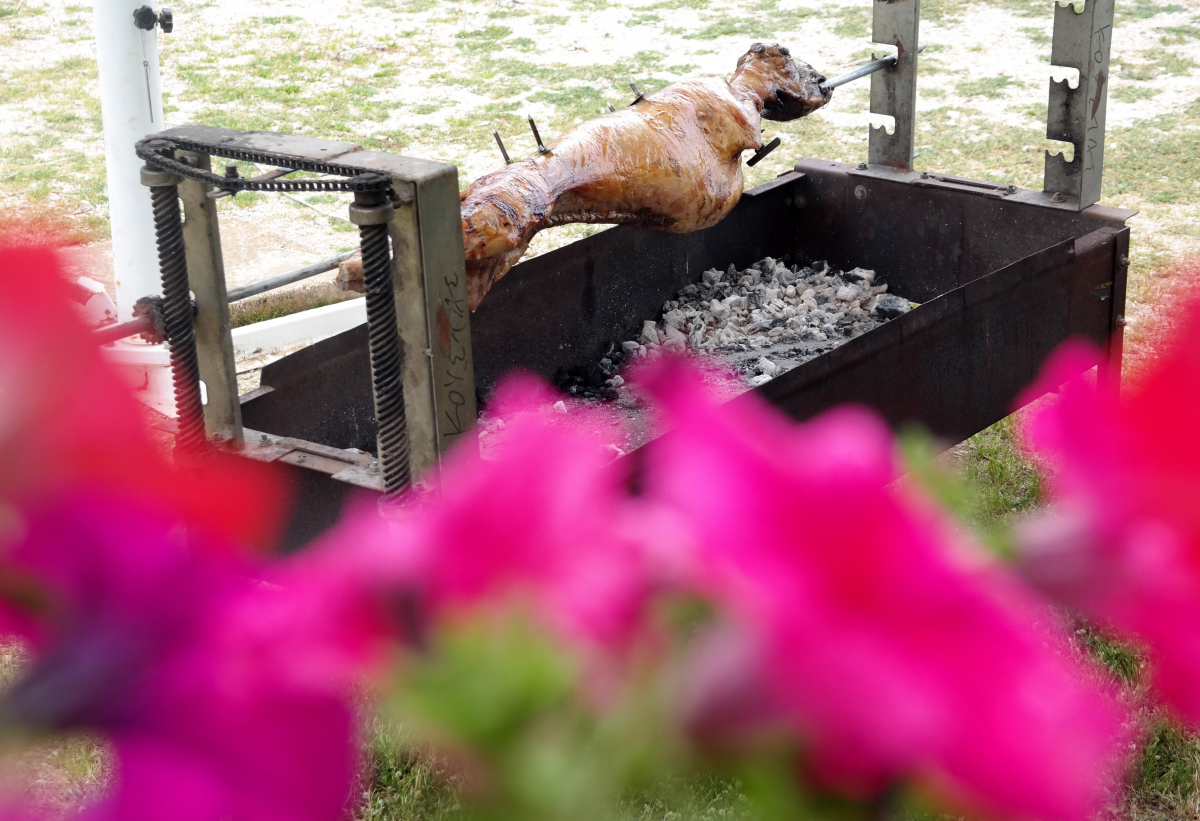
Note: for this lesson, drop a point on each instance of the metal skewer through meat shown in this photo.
(671, 160)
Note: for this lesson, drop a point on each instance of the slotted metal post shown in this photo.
(1082, 41)
(894, 90)
(206, 277)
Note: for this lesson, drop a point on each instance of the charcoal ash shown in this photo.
(765, 320)
(595, 380)
(770, 317)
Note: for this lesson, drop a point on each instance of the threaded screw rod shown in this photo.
(178, 316)
(371, 212)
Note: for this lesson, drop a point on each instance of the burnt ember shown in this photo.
(764, 320)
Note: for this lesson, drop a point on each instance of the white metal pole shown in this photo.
(131, 105)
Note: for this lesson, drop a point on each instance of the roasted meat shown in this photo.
(672, 160)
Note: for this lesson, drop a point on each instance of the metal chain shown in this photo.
(156, 151)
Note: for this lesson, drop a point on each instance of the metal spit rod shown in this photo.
(863, 71)
(287, 278)
(107, 334)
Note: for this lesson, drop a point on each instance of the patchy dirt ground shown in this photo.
(432, 78)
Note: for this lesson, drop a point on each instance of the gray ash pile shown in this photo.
(765, 320)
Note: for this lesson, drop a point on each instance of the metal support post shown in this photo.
(894, 90)
(206, 276)
(131, 105)
(372, 212)
(177, 310)
(1082, 41)
(1111, 371)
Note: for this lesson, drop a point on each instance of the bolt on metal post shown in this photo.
(372, 211)
(178, 314)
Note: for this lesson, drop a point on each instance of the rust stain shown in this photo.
(1100, 81)
(443, 331)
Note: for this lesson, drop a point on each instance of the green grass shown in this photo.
(764, 24)
(990, 87)
(1143, 9)
(1164, 779)
(1178, 35)
(64, 773)
(275, 304)
(405, 782)
(642, 19)
(1163, 64)
(485, 39)
(1007, 482)
(1120, 659)
(1128, 93)
(1038, 36)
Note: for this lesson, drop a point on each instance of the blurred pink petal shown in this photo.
(1123, 543)
(541, 522)
(222, 696)
(66, 418)
(891, 656)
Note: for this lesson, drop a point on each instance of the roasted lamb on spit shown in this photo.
(672, 160)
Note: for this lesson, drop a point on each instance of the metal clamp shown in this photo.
(371, 214)
(157, 177)
(764, 151)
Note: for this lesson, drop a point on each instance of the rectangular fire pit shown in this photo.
(1002, 278)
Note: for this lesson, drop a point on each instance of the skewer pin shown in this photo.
(637, 94)
(863, 71)
(537, 137)
(500, 142)
(764, 151)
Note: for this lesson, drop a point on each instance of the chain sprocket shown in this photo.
(158, 152)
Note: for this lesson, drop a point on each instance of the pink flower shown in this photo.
(222, 696)
(893, 650)
(1123, 543)
(66, 419)
(540, 523)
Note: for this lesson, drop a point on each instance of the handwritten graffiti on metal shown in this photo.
(453, 326)
(1095, 129)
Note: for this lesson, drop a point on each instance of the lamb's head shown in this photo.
(788, 88)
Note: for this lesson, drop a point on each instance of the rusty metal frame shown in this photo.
(428, 280)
